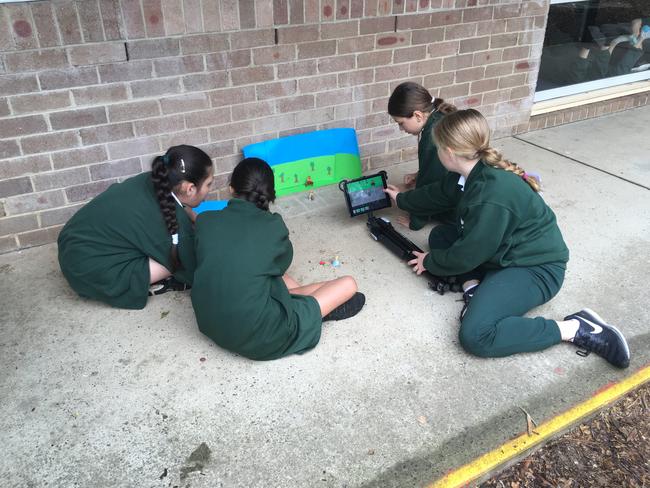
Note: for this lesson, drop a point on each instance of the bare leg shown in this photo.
(290, 282)
(157, 271)
(328, 294)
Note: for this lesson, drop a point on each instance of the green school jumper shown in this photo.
(239, 297)
(430, 170)
(508, 237)
(104, 249)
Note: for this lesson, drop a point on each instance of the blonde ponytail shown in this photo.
(494, 158)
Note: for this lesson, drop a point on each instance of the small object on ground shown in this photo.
(164, 314)
(335, 262)
(311, 195)
(530, 423)
(202, 360)
(309, 181)
(322, 263)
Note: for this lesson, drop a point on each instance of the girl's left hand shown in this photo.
(418, 262)
(392, 192)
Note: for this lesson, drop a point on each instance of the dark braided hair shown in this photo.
(180, 163)
(252, 180)
(409, 97)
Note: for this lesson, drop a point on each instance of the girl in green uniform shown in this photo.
(505, 247)
(242, 298)
(416, 112)
(138, 232)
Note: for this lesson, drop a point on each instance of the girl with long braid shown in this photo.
(505, 248)
(138, 233)
(242, 297)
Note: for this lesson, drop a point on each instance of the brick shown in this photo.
(409, 54)
(427, 36)
(316, 49)
(512, 80)
(14, 84)
(446, 18)
(228, 131)
(275, 54)
(58, 216)
(205, 81)
(179, 65)
(159, 125)
(298, 69)
(78, 157)
(460, 31)
(207, 118)
(94, 95)
(204, 43)
(514, 53)
(298, 34)
(490, 27)
(61, 179)
(115, 169)
(132, 18)
(247, 14)
(476, 14)
(338, 63)
(230, 14)
(275, 90)
(78, 118)
(280, 12)
(81, 193)
(499, 69)
(252, 110)
(371, 91)
(22, 28)
(439, 49)
(133, 110)
(134, 147)
(193, 16)
(411, 22)
(378, 58)
(521, 24)
(316, 116)
(357, 77)
(425, 67)
(15, 225)
(49, 142)
(15, 186)
(496, 96)
(521, 92)
(35, 60)
(390, 72)
(111, 19)
(8, 149)
(339, 30)
(43, 15)
(293, 104)
(158, 48)
(40, 102)
(34, 201)
(184, 103)
(68, 21)
(505, 11)
(106, 133)
(39, 237)
(398, 39)
(254, 38)
(4, 108)
(173, 17)
(454, 63)
(155, 87)
(334, 97)
(131, 70)
(484, 85)
(96, 54)
(355, 44)
(296, 12)
(228, 60)
(274, 123)
(317, 83)
(372, 149)
(503, 40)
(531, 37)
(67, 78)
(23, 166)
(20, 126)
(475, 44)
(376, 25)
(244, 76)
(244, 94)
(153, 18)
(194, 137)
(487, 57)
(90, 20)
(264, 13)
(8, 244)
(470, 74)
(443, 79)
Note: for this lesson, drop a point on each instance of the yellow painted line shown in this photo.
(466, 474)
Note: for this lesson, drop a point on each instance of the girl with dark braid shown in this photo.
(242, 297)
(416, 112)
(505, 248)
(138, 233)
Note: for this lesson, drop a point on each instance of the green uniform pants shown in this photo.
(493, 325)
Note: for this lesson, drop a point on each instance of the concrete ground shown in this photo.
(93, 396)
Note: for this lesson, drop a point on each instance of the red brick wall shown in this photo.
(91, 90)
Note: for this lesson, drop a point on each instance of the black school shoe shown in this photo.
(467, 296)
(168, 284)
(348, 309)
(595, 335)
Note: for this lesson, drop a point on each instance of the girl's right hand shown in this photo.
(392, 192)
(410, 179)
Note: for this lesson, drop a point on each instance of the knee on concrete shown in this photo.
(473, 341)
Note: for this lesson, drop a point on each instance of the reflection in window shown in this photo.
(594, 39)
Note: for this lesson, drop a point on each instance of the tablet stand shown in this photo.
(383, 231)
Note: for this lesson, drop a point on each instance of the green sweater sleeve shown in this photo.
(440, 196)
(485, 229)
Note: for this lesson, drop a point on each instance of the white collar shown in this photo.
(177, 200)
(461, 183)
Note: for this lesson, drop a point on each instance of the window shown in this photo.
(592, 44)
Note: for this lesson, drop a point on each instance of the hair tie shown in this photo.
(175, 239)
(166, 159)
(524, 176)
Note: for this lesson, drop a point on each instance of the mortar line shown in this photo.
(581, 162)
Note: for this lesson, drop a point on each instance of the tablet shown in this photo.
(365, 194)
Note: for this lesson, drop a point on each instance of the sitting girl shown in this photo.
(505, 247)
(242, 298)
(138, 232)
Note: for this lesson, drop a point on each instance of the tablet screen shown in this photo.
(366, 194)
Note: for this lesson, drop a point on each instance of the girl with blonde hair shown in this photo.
(505, 248)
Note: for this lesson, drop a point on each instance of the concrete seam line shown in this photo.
(516, 447)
